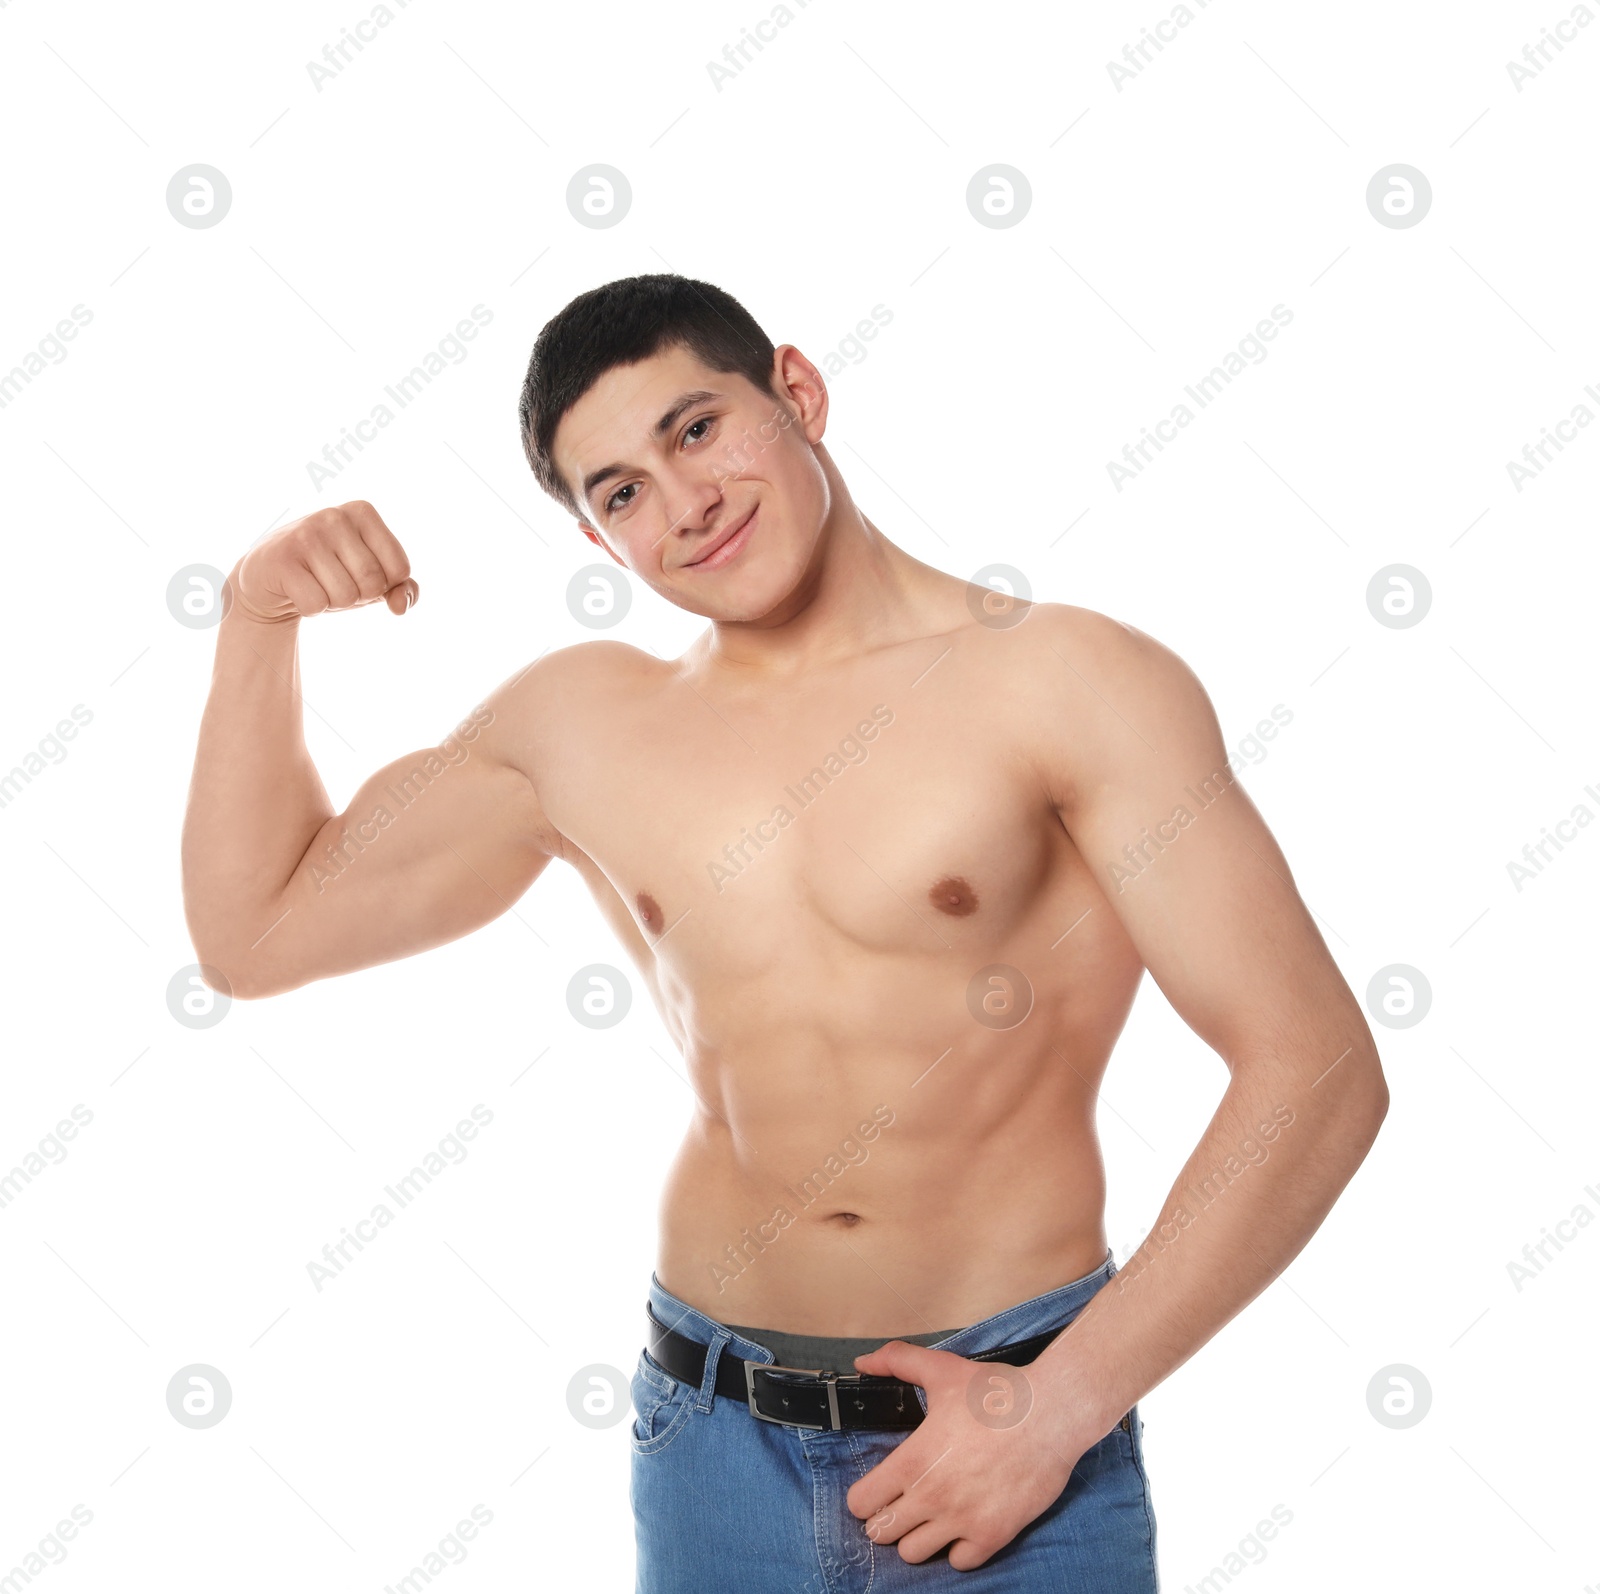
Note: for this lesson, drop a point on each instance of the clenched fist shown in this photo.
(335, 558)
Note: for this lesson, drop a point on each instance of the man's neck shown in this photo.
(861, 592)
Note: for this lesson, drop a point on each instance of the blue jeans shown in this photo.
(724, 1503)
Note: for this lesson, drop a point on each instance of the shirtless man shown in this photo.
(891, 852)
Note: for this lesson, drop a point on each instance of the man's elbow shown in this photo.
(1368, 1104)
(240, 979)
(1380, 1103)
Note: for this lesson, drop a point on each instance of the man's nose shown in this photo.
(696, 507)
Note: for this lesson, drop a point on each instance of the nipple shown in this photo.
(954, 896)
(649, 912)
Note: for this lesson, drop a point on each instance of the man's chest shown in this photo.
(883, 816)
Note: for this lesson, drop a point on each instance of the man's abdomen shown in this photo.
(891, 1204)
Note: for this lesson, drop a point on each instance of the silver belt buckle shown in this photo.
(830, 1379)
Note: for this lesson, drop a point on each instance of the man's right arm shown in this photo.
(279, 888)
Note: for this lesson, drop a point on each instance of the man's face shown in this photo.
(668, 456)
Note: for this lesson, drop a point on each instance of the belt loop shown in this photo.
(708, 1383)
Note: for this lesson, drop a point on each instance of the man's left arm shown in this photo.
(1133, 762)
(1188, 865)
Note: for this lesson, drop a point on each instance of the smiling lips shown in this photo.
(726, 548)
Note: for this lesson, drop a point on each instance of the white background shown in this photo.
(1168, 217)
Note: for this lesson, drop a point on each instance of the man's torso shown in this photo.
(830, 887)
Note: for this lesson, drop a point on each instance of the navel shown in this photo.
(649, 912)
(954, 896)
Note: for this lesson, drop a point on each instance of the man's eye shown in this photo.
(611, 503)
(705, 420)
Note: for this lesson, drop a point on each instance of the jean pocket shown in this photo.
(661, 1406)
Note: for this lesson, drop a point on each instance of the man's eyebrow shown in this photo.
(669, 418)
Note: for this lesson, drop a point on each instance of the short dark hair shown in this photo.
(621, 323)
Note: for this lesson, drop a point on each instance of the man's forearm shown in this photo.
(1281, 1146)
(255, 799)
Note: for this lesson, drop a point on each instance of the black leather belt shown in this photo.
(805, 1399)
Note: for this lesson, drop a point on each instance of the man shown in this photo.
(891, 852)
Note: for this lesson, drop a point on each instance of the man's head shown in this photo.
(658, 413)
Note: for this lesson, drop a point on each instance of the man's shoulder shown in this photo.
(1103, 703)
(600, 660)
(1076, 648)
(597, 665)
(572, 685)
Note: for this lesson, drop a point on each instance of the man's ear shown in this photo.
(808, 391)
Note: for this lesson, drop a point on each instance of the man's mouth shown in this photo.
(727, 545)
